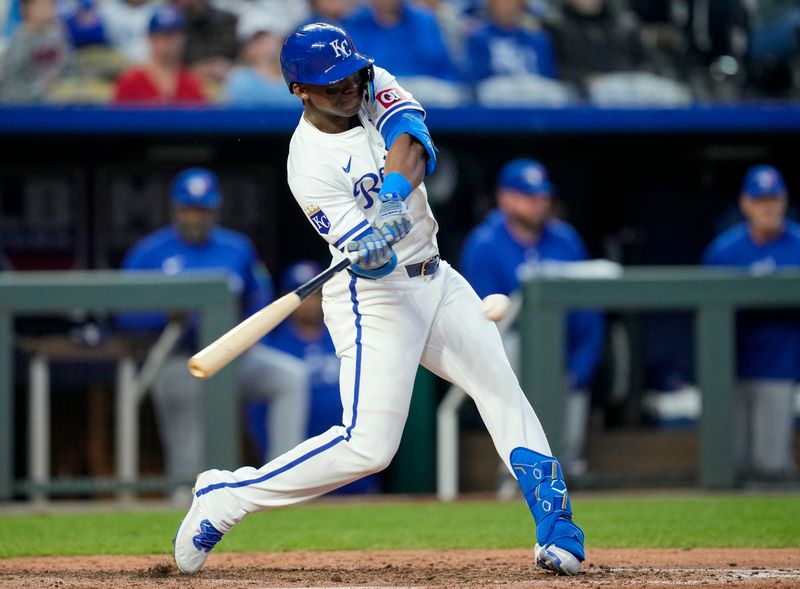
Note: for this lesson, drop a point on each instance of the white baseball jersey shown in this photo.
(335, 177)
(382, 329)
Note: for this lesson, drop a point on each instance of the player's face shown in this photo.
(194, 224)
(342, 99)
(765, 215)
(529, 210)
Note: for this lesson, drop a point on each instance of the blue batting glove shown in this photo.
(393, 220)
(373, 250)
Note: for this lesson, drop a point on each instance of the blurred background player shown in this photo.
(768, 343)
(195, 243)
(163, 78)
(305, 336)
(514, 238)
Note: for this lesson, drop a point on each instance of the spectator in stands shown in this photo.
(774, 47)
(37, 56)
(126, 24)
(211, 44)
(287, 14)
(512, 241)
(454, 23)
(768, 344)
(508, 61)
(406, 39)
(192, 243)
(85, 25)
(258, 79)
(164, 78)
(600, 52)
(304, 336)
(333, 12)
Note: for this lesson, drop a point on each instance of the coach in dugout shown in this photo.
(768, 342)
(192, 243)
(514, 239)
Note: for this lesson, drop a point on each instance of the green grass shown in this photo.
(657, 522)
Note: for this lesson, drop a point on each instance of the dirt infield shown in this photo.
(707, 568)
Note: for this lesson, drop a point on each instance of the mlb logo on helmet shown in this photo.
(196, 187)
(763, 181)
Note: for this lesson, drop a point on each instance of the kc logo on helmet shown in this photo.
(340, 48)
(389, 97)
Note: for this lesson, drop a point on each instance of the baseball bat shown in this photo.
(221, 352)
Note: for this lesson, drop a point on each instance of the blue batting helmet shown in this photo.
(320, 54)
(196, 187)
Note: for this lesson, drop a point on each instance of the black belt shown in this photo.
(426, 268)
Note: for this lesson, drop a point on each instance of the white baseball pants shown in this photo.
(383, 329)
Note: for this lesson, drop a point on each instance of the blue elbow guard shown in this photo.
(411, 122)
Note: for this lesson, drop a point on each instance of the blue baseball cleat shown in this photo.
(195, 538)
(559, 546)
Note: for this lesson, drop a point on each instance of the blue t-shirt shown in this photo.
(245, 86)
(325, 409)
(413, 47)
(226, 252)
(496, 51)
(768, 342)
(492, 261)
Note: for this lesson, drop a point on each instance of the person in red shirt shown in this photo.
(163, 79)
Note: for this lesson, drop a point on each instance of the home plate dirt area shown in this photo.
(704, 568)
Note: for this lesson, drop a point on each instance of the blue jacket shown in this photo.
(495, 51)
(226, 252)
(767, 342)
(492, 260)
(413, 47)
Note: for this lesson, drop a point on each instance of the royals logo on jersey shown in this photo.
(318, 219)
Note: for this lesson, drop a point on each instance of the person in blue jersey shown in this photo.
(768, 343)
(305, 336)
(505, 46)
(515, 238)
(403, 37)
(192, 243)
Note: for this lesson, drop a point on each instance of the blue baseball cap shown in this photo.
(762, 181)
(166, 18)
(299, 273)
(196, 187)
(525, 175)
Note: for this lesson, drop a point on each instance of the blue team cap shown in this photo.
(196, 187)
(299, 273)
(525, 175)
(762, 181)
(166, 18)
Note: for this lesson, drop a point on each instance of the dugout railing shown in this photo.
(52, 293)
(712, 295)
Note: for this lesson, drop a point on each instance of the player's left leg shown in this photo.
(465, 348)
(281, 379)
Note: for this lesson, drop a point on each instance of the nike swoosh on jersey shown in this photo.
(347, 167)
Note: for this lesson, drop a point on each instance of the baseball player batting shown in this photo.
(356, 164)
